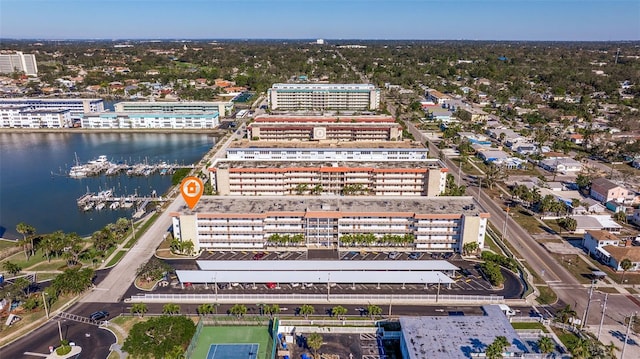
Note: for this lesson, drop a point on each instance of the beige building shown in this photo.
(442, 224)
(322, 128)
(386, 178)
(316, 96)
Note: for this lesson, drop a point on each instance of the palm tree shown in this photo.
(625, 265)
(566, 313)
(238, 310)
(170, 308)
(611, 350)
(314, 341)
(272, 309)
(546, 345)
(580, 349)
(26, 230)
(339, 311)
(139, 308)
(307, 310)
(373, 310)
(205, 309)
(11, 268)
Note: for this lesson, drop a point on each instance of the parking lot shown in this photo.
(468, 280)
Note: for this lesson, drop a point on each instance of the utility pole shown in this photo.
(586, 311)
(604, 308)
(506, 219)
(44, 301)
(626, 336)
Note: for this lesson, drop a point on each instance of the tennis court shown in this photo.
(212, 339)
(233, 351)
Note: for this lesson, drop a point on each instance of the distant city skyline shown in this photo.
(526, 20)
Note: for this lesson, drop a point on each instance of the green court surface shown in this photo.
(232, 335)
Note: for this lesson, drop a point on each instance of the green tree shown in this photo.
(494, 174)
(103, 239)
(546, 345)
(139, 308)
(272, 310)
(470, 247)
(492, 271)
(238, 310)
(170, 308)
(620, 216)
(373, 310)
(315, 341)
(73, 248)
(11, 268)
(625, 265)
(565, 314)
(495, 349)
(27, 231)
(339, 311)
(206, 308)
(157, 337)
(306, 310)
(73, 281)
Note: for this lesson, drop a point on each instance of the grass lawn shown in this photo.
(4, 244)
(574, 264)
(547, 296)
(527, 221)
(55, 264)
(529, 325)
(232, 335)
(567, 338)
(115, 259)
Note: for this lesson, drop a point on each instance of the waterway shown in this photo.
(34, 190)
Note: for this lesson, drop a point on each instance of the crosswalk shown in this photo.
(81, 319)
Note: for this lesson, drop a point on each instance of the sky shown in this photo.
(529, 20)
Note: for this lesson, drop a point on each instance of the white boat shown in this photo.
(78, 172)
(114, 205)
(102, 159)
(100, 206)
(88, 206)
(104, 194)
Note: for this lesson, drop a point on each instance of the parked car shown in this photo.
(259, 255)
(271, 285)
(414, 255)
(96, 316)
(393, 255)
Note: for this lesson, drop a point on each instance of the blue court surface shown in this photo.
(233, 351)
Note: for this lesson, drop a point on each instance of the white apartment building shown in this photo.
(26, 117)
(19, 62)
(223, 108)
(116, 120)
(441, 224)
(77, 106)
(311, 96)
(398, 151)
(323, 128)
(273, 178)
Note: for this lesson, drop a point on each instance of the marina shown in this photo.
(106, 199)
(102, 165)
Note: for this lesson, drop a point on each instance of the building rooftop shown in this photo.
(318, 86)
(345, 145)
(604, 183)
(619, 253)
(600, 235)
(325, 120)
(327, 166)
(450, 337)
(360, 205)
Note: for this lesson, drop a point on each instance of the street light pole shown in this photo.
(504, 228)
(44, 301)
(604, 308)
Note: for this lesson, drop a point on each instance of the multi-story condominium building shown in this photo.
(150, 120)
(272, 178)
(27, 117)
(77, 106)
(223, 108)
(321, 128)
(306, 96)
(442, 224)
(326, 151)
(19, 62)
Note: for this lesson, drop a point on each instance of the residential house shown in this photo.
(587, 206)
(616, 254)
(561, 165)
(596, 222)
(576, 138)
(635, 219)
(604, 190)
(593, 240)
(437, 97)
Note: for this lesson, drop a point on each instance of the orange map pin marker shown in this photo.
(191, 189)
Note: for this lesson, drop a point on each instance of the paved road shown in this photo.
(95, 342)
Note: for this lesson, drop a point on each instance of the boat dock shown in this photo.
(103, 165)
(105, 199)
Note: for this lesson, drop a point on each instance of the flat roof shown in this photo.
(330, 265)
(317, 276)
(318, 165)
(440, 205)
(319, 86)
(326, 145)
(446, 337)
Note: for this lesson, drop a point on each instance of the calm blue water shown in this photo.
(30, 193)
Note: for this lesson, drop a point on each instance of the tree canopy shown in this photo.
(159, 336)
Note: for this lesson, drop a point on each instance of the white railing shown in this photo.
(314, 298)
